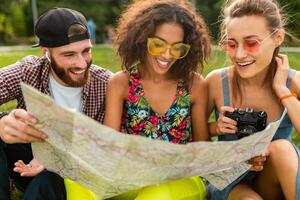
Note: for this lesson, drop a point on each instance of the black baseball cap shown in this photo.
(52, 27)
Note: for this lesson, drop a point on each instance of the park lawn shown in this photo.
(106, 57)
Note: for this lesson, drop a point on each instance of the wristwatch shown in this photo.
(2, 114)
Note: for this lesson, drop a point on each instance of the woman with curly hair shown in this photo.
(159, 94)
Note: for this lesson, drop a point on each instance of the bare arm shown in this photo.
(291, 103)
(198, 109)
(117, 91)
(222, 125)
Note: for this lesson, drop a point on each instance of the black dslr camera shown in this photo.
(248, 121)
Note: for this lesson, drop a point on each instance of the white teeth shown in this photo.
(164, 63)
(245, 63)
(78, 72)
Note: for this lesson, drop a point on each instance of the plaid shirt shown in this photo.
(35, 72)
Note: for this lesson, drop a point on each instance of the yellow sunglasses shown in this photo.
(157, 46)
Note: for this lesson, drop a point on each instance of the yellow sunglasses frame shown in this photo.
(169, 46)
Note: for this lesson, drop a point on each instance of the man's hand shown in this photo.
(17, 127)
(31, 169)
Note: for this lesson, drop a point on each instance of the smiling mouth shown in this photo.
(245, 64)
(78, 72)
(164, 64)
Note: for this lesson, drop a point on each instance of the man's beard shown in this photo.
(63, 74)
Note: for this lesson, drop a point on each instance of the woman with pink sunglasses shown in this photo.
(258, 79)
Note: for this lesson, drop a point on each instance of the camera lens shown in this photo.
(246, 131)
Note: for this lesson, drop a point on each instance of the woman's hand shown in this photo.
(258, 162)
(225, 125)
(281, 75)
(31, 169)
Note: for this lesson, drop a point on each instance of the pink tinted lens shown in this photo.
(229, 45)
(251, 45)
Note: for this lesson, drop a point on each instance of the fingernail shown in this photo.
(33, 120)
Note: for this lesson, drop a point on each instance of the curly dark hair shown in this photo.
(140, 20)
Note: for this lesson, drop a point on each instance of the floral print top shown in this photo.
(139, 118)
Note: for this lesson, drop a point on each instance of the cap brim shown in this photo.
(35, 45)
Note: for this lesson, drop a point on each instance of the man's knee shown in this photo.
(46, 185)
(48, 178)
(4, 182)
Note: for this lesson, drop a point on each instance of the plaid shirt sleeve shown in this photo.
(30, 70)
(95, 92)
(10, 77)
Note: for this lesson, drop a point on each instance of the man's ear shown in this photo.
(45, 52)
(279, 37)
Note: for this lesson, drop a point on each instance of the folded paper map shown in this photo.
(110, 163)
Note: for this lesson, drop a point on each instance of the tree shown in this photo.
(291, 10)
(102, 12)
(16, 15)
(13, 20)
(210, 10)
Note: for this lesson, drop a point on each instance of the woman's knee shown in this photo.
(283, 156)
(243, 192)
(281, 149)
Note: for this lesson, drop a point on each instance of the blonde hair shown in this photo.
(270, 11)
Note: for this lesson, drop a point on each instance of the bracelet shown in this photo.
(293, 94)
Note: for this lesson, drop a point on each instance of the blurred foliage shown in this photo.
(16, 21)
(211, 9)
(13, 22)
(102, 12)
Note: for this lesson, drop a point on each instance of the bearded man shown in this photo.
(66, 73)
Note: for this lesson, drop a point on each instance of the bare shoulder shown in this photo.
(118, 83)
(214, 86)
(296, 82)
(198, 87)
(120, 78)
(214, 80)
(213, 76)
(296, 78)
(197, 82)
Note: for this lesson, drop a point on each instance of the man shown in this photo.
(66, 74)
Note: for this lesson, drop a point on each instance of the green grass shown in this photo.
(106, 57)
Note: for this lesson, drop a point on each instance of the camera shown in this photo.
(248, 121)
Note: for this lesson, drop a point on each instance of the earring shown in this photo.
(47, 56)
